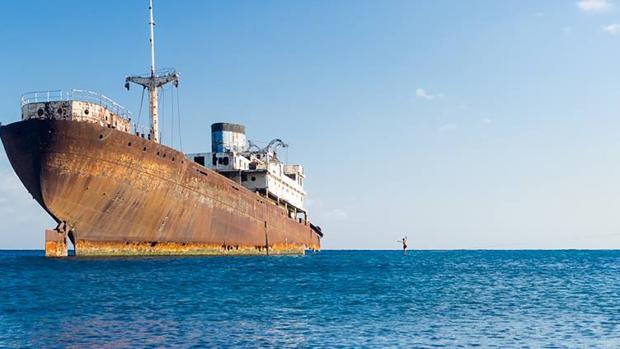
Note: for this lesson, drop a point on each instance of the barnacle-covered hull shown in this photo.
(116, 193)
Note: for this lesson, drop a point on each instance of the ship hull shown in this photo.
(121, 194)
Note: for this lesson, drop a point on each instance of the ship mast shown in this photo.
(153, 81)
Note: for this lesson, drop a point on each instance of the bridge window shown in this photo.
(200, 160)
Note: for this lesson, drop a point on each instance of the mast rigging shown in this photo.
(153, 81)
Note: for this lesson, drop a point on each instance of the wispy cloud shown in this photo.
(447, 127)
(336, 214)
(612, 29)
(323, 213)
(421, 93)
(595, 6)
(15, 201)
(19, 213)
(12, 195)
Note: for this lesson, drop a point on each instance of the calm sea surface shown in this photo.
(331, 299)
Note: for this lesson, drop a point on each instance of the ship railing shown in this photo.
(158, 72)
(76, 95)
(142, 131)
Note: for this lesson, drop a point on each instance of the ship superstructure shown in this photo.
(257, 169)
(114, 190)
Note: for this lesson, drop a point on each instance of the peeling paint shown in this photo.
(104, 248)
(55, 244)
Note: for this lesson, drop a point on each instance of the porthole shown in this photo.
(158, 153)
(40, 112)
(253, 179)
(59, 111)
(144, 149)
(86, 111)
(100, 136)
(129, 144)
(164, 154)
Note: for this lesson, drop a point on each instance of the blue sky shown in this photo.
(461, 124)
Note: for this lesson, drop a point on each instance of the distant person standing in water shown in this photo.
(404, 242)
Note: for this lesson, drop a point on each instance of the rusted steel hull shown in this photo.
(120, 194)
(55, 244)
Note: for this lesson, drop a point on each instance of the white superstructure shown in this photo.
(257, 169)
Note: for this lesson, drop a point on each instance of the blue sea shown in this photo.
(333, 299)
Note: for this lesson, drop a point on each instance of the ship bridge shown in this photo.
(257, 169)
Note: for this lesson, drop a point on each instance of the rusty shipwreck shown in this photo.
(114, 190)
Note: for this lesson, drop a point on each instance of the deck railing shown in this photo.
(76, 95)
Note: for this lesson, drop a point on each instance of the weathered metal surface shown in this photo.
(120, 194)
(106, 106)
(78, 110)
(94, 248)
(75, 111)
(55, 244)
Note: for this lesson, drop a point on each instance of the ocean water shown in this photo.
(331, 299)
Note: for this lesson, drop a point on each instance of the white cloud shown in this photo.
(421, 93)
(10, 189)
(310, 202)
(612, 29)
(15, 201)
(323, 213)
(336, 214)
(23, 220)
(447, 127)
(486, 121)
(595, 6)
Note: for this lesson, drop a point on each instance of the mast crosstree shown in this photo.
(153, 81)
